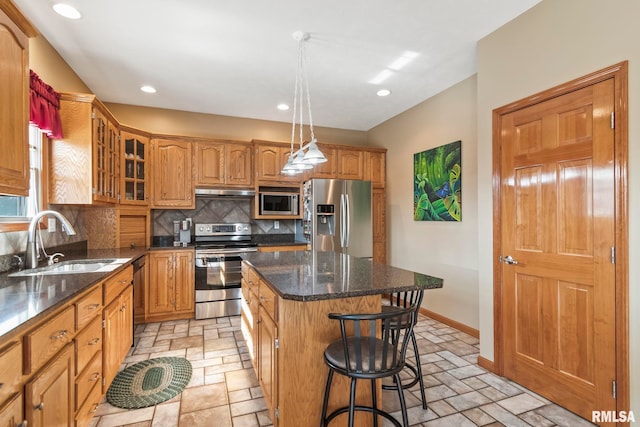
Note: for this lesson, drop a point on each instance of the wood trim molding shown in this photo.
(486, 364)
(450, 322)
(619, 74)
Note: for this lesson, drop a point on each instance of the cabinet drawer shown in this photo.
(45, 341)
(10, 369)
(89, 408)
(11, 413)
(88, 307)
(252, 279)
(88, 379)
(116, 284)
(88, 343)
(268, 299)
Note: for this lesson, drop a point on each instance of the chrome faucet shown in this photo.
(31, 260)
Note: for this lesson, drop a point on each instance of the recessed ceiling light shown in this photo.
(283, 107)
(148, 89)
(383, 92)
(66, 10)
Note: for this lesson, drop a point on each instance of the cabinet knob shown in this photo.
(94, 341)
(39, 406)
(93, 306)
(123, 308)
(60, 335)
(94, 377)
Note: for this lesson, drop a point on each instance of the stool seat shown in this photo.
(374, 350)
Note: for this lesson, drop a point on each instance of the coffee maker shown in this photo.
(182, 232)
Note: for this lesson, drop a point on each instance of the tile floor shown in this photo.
(224, 390)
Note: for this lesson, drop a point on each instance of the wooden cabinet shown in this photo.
(350, 163)
(223, 164)
(84, 164)
(12, 412)
(49, 396)
(328, 169)
(375, 168)
(118, 227)
(268, 361)
(117, 323)
(10, 370)
(139, 290)
(14, 101)
(170, 289)
(280, 248)
(172, 181)
(134, 169)
(270, 159)
(379, 207)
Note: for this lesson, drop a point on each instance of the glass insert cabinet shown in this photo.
(134, 173)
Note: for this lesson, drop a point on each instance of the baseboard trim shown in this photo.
(486, 364)
(450, 322)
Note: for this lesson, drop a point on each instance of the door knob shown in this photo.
(509, 260)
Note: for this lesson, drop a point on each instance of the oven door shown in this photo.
(217, 283)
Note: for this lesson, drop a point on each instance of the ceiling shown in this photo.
(238, 57)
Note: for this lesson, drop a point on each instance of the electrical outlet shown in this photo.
(51, 225)
(276, 225)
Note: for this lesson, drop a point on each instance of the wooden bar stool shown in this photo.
(364, 355)
(408, 299)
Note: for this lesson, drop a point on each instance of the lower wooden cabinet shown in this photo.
(12, 412)
(117, 334)
(300, 247)
(171, 288)
(267, 361)
(49, 396)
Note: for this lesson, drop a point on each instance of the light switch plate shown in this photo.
(276, 225)
(51, 225)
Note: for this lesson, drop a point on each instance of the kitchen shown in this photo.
(461, 112)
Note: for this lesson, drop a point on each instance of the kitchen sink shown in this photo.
(74, 267)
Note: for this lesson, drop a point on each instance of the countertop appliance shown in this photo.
(282, 201)
(218, 267)
(337, 216)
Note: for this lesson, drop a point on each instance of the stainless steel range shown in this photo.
(218, 267)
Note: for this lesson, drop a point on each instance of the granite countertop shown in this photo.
(24, 298)
(276, 240)
(311, 275)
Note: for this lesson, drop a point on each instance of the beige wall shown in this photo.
(550, 44)
(444, 249)
(52, 68)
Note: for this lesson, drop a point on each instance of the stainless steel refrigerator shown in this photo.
(337, 216)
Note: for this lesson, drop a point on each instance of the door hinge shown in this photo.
(276, 343)
(277, 411)
(104, 324)
(613, 120)
(104, 382)
(613, 254)
(614, 389)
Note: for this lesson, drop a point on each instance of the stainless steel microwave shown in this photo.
(279, 203)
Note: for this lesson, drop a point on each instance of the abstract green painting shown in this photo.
(437, 183)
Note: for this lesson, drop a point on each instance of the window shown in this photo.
(14, 209)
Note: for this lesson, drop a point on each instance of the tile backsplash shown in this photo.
(217, 210)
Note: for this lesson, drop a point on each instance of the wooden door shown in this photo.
(111, 349)
(100, 156)
(210, 164)
(379, 205)
(558, 225)
(49, 396)
(172, 175)
(238, 164)
(160, 285)
(375, 168)
(133, 169)
(267, 361)
(11, 413)
(268, 159)
(125, 326)
(350, 164)
(184, 297)
(328, 169)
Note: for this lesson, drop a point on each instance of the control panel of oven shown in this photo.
(237, 229)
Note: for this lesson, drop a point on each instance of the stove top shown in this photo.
(223, 237)
(213, 229)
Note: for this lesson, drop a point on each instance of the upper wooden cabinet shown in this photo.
(85, 162)
(350, 163)
(328, 169)
(223, 163)
(134, 170)
(14, 100)
(172, 174)
(375, 168)
(270, 159)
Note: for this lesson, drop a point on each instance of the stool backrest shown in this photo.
(407, 299)
(375, 349)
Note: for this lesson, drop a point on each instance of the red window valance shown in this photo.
(45, 107)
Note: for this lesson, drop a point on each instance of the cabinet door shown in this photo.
(379, 206)
(238, 165)
(350, 164)
(50, 395)
(210, 163)
(125, 324)
(172, 175)
(14, 99)
(328, 169)
(12, 413)
(103, 158)
(267, 360)
(184, 298)
(268, 162)
(110, 349)
(133, 169)
(375, 168)
(160, 285)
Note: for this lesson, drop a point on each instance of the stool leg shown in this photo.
(374, 401)
(325, 403)
(403, 405)
(419, 369)
(352, 402)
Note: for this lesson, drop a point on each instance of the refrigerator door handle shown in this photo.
(342, 220)
(347, 221)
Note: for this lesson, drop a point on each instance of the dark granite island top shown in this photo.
(312, 276)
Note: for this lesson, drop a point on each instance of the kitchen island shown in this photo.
(287, 297)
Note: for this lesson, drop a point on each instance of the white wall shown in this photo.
(552, 43)
(443, 249)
